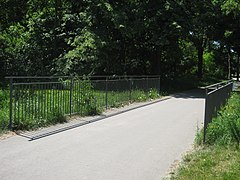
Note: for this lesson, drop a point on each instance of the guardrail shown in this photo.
(216, 97)
(35, 101)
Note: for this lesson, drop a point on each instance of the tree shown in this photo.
(199, 25)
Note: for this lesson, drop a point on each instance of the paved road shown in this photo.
(137, 145)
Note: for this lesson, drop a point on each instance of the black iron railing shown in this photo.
(39, 101)
(216, 97)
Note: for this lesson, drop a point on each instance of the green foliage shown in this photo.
(4, 110)
(56, 116)
(153, 94)
(82, 55)
(100, 37)
(140, 96)
(168, 38)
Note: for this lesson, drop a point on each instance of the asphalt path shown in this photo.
(136, 145)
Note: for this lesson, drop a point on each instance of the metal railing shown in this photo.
(216, 97)
(39, 101)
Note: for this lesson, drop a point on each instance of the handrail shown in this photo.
(218, 89)
(55, 77)
(217, 84)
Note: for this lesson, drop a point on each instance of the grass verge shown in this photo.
(213, 162)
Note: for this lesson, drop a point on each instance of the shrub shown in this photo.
(153, 94)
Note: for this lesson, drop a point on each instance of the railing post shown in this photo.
(159, 85)
(130, 89)
(70, 103)
(147, 84)
(205, 116)
(10, 105)
(106, 93)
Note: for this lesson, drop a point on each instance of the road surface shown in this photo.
(137, 145)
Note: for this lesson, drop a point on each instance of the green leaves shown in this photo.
(114, 37)
(231, 6)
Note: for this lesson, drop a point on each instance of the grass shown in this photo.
(215, 162)
(219, 158)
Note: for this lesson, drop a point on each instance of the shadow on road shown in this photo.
(44, 132)
(196, 93)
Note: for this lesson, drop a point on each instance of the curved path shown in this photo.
(137, 145)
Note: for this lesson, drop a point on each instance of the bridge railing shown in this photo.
(40, 101)
(216, 97)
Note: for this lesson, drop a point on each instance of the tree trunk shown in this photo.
(229, 64)
(238, 59)
(200, 63)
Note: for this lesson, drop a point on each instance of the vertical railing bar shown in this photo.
(32, 102)
(63, 100)
(25, 104)
(29, 101)
(22, 101)
(73, 97)
(58, 99)
(78, 95)
(81, 95)
(159, 85)
(130, 89)
(63, 97)
(10, 105)
(15, 104)
(19, 97)
(40, 104)
(147, 87)
(106, 93)
(53, 94)
(205, 116)
(50, 97)
(45, 101)
(66, 99)
(37, 106)
(70, 98)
